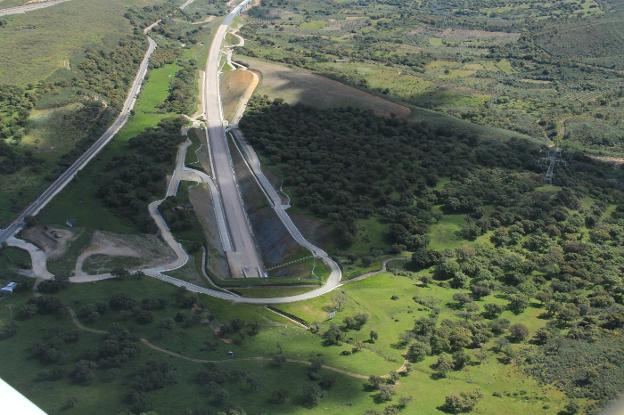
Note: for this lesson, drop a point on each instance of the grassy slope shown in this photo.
(296, 85)
(104, 397)
(388, 317)
(60, 32)
(232, 88)
(78, 200)
(32, 47)
(392, 317)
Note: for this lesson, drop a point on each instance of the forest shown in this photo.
(556, 247)
(137, 177)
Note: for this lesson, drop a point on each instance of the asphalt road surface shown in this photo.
(68, 175)
(243, 258)
(29, 7)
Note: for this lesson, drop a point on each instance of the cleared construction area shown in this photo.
(296, 85)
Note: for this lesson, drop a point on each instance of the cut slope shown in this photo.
(296, 85)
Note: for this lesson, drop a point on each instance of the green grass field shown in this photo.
(78, 200)
(34, 45)
(389, 317)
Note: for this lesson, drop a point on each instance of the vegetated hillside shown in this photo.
(46, 123)
(539, 68)
(558, 247)
(601, 38)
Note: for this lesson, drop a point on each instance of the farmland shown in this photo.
(525, 68)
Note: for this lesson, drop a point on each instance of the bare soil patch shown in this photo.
(296, 85)
(465, 34)
(617, 161)
(234, 85)
(53, 241)
(107, 251)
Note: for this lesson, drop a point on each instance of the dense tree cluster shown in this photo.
(559, 248)
(107, 73)
(181, 98)
(351, 164)
(15, 106)
(52, 348)
(137, 177)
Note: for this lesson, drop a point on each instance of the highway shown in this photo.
(67, 176)
(225, 180)
(29, 7)
(243, 257)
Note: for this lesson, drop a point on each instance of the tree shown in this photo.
(373, 336)
(570, 409)
(442, 366)
(460, 360)
(462, 403)
(385, 393)
(404, 401)
(499, 326)
(541, 337)
(47, 304)
(480, 291)
(491, 311)
(311, 396)
(355, 323)
(327, 382)
(518, 332)
(417, 352)
(333, 336)
(120, 302)
(421, 259)
(278, 397)
(462, 299)
(83, 372)
(374, 382)
(517, 303)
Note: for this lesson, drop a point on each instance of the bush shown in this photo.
(463, 403)
(83, 372)
(278, 397)
(310, 396)
(8, 330)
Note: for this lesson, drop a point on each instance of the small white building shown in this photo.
(9, 288)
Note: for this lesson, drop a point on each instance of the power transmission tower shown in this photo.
(554, 158)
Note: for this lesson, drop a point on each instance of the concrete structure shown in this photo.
(242, 254)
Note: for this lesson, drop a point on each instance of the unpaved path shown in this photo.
(38, 258)
(160, 349)
(103, 248)
(384, 268)
(29, 7)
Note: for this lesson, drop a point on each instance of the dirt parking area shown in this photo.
(53, 241)
(107, 251)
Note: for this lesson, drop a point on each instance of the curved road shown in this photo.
(181, 173)
(29, 7)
